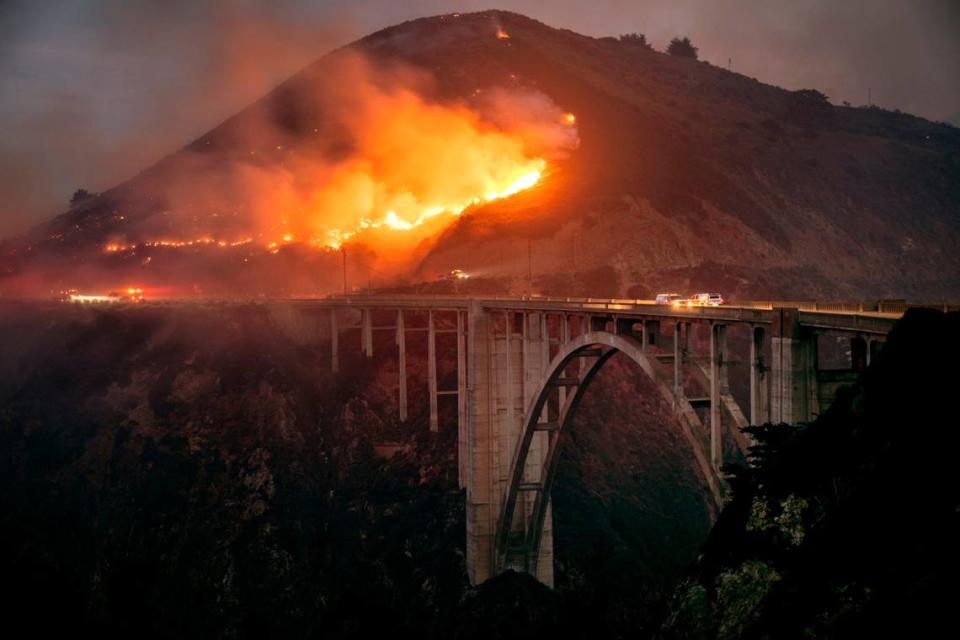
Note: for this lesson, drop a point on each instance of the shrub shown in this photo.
(637, 39)
(682, 48)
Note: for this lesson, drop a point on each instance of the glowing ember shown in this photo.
(130, 294)
(114, 247)
(502, 35)
(569, 119)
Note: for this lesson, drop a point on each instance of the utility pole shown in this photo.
(343, 250)
(729, 64)
(530, 265)
(869, 96)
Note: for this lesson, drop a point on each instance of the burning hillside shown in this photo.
(493, 143)
(376, 159)
(385, 155)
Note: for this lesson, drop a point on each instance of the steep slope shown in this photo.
(686, 175)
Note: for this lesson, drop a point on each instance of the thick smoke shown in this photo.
(95, 91)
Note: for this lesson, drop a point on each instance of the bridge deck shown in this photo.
(832, 316)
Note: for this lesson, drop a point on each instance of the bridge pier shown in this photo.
(719, 384)
(462, 438)
(503, 370)
(650, 328)
(402, 366)
(432, 371)
(759, 393)
(681, 339)
(794, 372)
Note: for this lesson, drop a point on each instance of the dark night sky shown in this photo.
(95, 90)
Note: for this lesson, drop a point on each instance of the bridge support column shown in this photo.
(874, 346)
(462, 438)
(681, 333)
(402, 366)
(334, 340)
(483, 498)
(534, 364)
(496, 366)
(793, 375)
(366, 333)
(432, 371)
(759, 394)
(564, 339)
(718, 386)
(650, 328)
(859, 353)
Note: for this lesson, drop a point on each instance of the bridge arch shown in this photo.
(519, 531)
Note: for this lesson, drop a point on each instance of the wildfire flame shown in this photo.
(413, 163)
(502, 35)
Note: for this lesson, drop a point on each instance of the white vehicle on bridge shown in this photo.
(706, 300)
(456, 274)
(668, 298)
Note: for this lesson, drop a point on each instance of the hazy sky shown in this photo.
(92, 91)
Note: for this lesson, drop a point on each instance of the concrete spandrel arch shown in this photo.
(520, 549)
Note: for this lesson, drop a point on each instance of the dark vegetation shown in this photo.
(636, 39)
(846, 527)
(682, 48)
(193, 471)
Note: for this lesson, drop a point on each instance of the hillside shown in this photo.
(685, 176)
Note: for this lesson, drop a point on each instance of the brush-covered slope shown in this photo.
(686, 176)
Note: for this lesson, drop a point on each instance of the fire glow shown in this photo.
(414, 164)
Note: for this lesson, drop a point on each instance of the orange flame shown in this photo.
(502, 35)
(414, 164)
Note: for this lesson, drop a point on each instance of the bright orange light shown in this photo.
(414, 165)
(502, 35)
(569, 119)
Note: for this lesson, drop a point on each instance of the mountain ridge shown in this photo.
(681, 165)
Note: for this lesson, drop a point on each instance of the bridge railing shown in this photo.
(740, 310)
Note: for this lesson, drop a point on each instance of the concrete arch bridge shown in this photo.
(523, 365)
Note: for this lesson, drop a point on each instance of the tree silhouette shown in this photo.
(637, 39)
(80, 196)
(682, 48)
